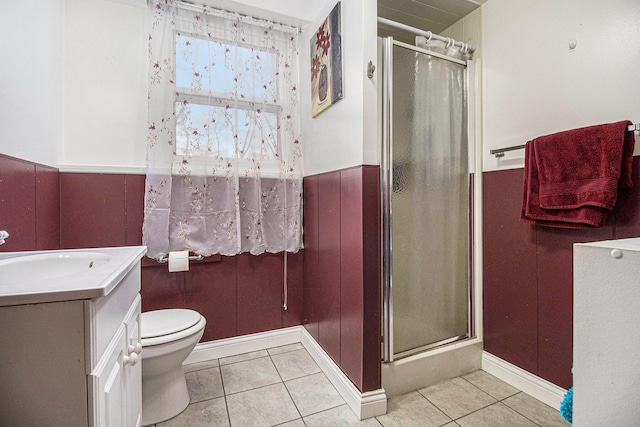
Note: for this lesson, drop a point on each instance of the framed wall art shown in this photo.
(326, 64)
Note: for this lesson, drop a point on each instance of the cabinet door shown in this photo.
(107, 385)
(133, 372)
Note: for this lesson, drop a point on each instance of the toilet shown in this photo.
(168, 337)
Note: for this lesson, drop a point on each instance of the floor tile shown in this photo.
(200, 365)
(535, 410)
(491, 385)
(204, 384)
(283, 386)
(285, 348)
(412, 409)
(209, 413)
(295, 364)
(243, 357)
(294, 423)
(456, 397)
(248, 375)
(265, 406)
(342, 416)
(495, 415)
(313, 393)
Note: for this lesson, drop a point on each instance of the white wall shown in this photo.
(105, 82)
(345, 134)
(292, 12)
(468, 30)
(533, 85)
(76, 84)
(31, 75)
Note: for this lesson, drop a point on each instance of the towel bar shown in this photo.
(164, 259)
(499, 152)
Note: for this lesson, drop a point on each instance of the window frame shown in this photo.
(269, 167)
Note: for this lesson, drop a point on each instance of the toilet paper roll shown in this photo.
(178, 261)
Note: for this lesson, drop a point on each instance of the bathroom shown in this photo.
(72, 168)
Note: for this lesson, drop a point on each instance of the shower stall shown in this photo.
(427, 187)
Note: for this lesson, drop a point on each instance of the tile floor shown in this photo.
(283, 386)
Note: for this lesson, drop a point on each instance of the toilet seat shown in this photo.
(164, 326)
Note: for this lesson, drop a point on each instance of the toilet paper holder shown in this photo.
(165, 258)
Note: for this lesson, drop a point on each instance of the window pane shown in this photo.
(213, 66)
(203, 130)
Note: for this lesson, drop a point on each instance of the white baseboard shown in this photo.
(533, 385)
(244, 344)
(364, 405)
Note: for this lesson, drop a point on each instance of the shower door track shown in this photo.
(386, 205)
(430, 346)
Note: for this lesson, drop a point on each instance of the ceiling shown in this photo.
(428, 15)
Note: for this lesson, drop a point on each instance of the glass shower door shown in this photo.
(427, 193)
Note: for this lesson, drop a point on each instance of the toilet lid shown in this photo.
(164, 322)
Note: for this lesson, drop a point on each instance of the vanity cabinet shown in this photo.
(76, 362)
(115, 381)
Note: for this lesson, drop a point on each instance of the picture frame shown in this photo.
(326, 63)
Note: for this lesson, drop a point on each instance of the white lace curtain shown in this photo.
(224, 167)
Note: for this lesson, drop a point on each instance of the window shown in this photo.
(224, 160)
(227, 100)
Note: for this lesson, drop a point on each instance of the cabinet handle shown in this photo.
(131, 359)
(137, 349)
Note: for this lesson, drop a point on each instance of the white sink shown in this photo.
(29, 268)
(33, 277)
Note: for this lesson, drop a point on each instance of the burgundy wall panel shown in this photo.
(47, 208)
(510, 311)
(627, 209)
(107, 210)
(92, 210)
(259, 280)
(18, 204)
(295, 297)
(134, 208)
(311, 256)
(555, 299)
(351, 273)
(510, 252)
(211, 290)
(161, 289)
(342, 269)
(371, 367)
(328, 299)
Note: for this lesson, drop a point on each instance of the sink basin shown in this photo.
(31, 268)
(33, 277)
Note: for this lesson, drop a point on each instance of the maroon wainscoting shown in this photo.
(101, 210)
(528, 276)
(311, 244)
(29, 205)
(509, 286)
(627, 211)
(342, 269)
(45, 209)
(237, 295)
(328, 299)
(92, 210)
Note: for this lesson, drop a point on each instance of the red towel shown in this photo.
(572, 177)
